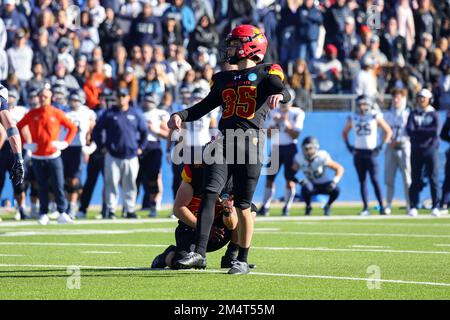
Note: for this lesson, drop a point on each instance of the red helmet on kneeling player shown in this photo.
(248, 42)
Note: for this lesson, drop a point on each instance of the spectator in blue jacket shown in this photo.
(335, 20)
(146, 28)
(423, 128)
(309, 21)
(186, 16)
(13, 19)
(125, 135)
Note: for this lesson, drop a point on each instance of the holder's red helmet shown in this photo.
(253, 44)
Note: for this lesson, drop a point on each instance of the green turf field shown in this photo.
(296, 257)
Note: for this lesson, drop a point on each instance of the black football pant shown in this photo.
(245, 177)
(446, 185)
(94, 168)
(365, 162)
(427, 159)
(149, 168)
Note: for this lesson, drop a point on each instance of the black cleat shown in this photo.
(191, 260)
(263, 212)
(239, 267)
(285, 212)
(326, 210)
(160, 260)
(130, 215)
(308, 211)
(227, 262)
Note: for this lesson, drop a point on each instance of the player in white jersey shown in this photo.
(398, 153)
(315, 164)
(7, 157)
(151, 159)
(72, 157)
(365, 123)
(284, 126)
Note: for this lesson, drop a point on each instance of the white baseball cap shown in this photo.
(425, 93)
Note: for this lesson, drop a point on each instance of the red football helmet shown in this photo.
(253, 44)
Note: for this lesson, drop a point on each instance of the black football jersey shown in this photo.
(242, 95)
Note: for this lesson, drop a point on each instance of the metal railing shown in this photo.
(339, 102)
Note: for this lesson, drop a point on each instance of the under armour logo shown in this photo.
(237, 77)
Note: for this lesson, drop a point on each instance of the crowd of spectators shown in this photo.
(161, 46)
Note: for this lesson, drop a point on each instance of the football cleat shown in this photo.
(239, 267)
(191, 260)
(308, 211)
(436, 212)
(44, 220)
(160, 260)
(412, 212)
(365, 213)
(81, 215)
(64, 218)
(326, 210)
(130, 215)
(263, 212)
(285, 212)
(388, 211)
(227, 262)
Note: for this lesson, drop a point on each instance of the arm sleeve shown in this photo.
(143, 132)
(445, 133)
(97, 132)
(276, 86)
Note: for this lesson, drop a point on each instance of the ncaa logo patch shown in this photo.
(252, 76)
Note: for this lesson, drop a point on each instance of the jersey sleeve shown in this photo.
(276, 70)
(300, 119)
(377, 115)
(186, 174)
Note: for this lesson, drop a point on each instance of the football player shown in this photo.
(285, 125)
(17, 169)
(72, 156)
(365, 123)
(7, 157)
(314, 164)
(186, 207)
(246, 96)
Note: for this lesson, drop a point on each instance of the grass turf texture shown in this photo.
(296, 258)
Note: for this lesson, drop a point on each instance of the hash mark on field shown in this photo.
(223, 272)
(442, 245)
(101, 252)
(364, 246)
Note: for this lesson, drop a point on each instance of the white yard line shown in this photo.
(369, 247)
(258, 219)
(442, 245)
(407, 235)
(376, 223)
(371, 280)
(256, 247)
(12, 255)
(101, 252)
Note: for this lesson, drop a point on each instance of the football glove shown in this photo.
(60, 145)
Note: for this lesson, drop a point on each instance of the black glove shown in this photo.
(331, 186)
(17, 172)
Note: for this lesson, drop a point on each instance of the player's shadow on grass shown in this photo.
(97, 273)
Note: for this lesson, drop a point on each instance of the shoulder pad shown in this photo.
(186, 174)
(276, 70)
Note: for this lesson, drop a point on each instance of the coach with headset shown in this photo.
(423, 128)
